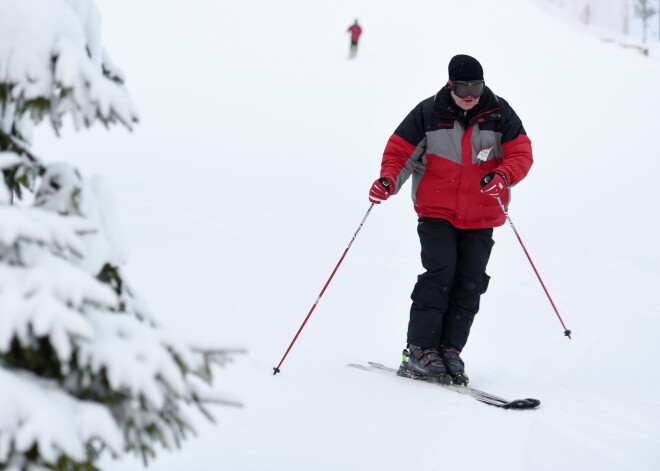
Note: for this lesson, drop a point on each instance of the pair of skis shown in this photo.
(480, 396)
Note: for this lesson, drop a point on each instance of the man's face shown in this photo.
(466, 103)
(466, 93)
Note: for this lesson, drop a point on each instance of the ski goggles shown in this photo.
(465, 89)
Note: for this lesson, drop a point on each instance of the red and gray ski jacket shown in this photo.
(448, 151)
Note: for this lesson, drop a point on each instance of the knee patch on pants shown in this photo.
(475, 285)
(482, 283)
(429, 294)
(466, 293)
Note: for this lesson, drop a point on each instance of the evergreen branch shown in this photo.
(15, 144)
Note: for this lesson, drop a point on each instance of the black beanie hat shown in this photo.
(462, 67)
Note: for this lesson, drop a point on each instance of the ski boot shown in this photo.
(423, 363)
(454, 365)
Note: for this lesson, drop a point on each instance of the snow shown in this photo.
(601, 16)
(249, 173)
(52, 51)
(37, 406)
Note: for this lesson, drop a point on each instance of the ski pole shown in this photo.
(567, 332)
(277, 368)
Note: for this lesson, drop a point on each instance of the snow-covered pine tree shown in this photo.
(83, 366)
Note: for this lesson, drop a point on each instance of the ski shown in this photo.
(481, 396)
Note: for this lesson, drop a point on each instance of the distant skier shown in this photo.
(465, 148)
(356, 30)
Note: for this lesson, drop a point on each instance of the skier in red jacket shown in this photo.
(465, 148)
(355, 31)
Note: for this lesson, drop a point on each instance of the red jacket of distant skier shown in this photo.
(448, 151)
(356, 31)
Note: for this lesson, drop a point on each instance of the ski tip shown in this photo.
(533, 403)
(528, 403)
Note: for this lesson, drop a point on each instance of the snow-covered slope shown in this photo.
(249, 174)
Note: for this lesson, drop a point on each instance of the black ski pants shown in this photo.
(446, 297)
